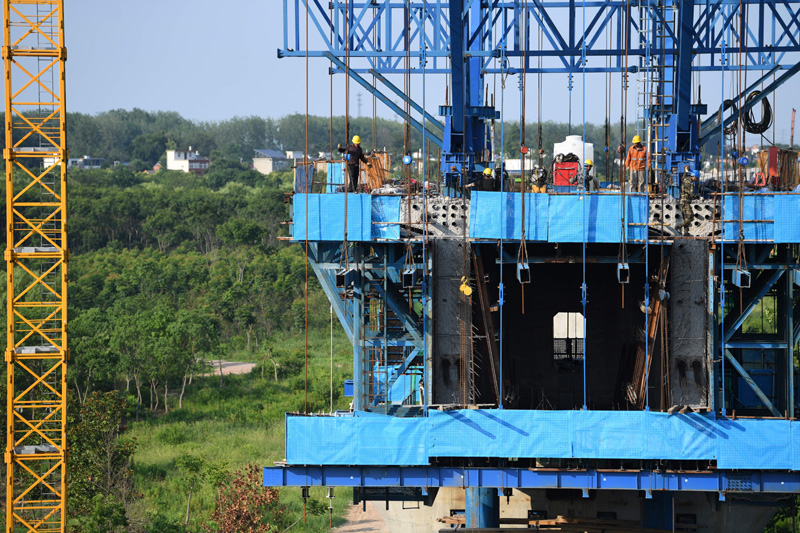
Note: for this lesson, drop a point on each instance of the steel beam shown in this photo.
(742, 372)
(730, 482)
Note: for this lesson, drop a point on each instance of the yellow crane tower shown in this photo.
(36, 255)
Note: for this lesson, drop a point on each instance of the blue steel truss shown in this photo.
(374, 33)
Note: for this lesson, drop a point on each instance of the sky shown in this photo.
(212, 60)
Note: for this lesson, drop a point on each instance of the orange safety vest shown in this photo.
(637, 158)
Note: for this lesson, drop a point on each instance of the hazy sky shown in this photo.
(211, 60)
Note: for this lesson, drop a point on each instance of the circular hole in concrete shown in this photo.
(454, 224)
(453, 215)
(696, 223)
(667, 217)
(707, 217)
(415, 206)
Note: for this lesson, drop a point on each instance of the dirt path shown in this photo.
(231, 367)
(360, 521)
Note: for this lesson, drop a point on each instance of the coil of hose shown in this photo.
(750, 124)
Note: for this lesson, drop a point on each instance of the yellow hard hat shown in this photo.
(356, 139)
(588, 163)
(487, 171)
(636, 139)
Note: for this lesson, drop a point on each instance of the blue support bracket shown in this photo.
(752, 303)
(742, 372)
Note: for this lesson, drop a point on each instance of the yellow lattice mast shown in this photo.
(36, 260)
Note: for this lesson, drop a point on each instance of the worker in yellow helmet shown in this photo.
(584, 177)
(637, 165)
(354, 155)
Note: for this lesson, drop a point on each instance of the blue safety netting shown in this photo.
(385, 440)
(556, 218)
(595, 218)
(367, 440)
(756, 214)
(325, 217)
(787, 218)
(386, 209)
(485, 222)
(335, 176)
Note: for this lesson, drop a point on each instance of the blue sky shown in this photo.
(211, 60)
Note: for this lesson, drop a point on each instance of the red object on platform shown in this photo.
(563, 172)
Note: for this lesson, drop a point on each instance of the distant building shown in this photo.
(267, 161)
(187, 161)
(294, 154)
(84, 163)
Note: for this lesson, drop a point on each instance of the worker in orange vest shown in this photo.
(637, 165)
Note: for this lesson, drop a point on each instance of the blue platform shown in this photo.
(372, 439)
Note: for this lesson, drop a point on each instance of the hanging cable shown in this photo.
(584, 232)
(760, 126)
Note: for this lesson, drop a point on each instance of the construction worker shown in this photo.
(688, 184)
(539, 179)
(584, 177)
(354, 155)
(488, 180)
(637, 165)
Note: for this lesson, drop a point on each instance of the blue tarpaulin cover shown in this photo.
(335, 176)
(757, 209)
(787, 218)
(385, 440)
(556, 218)
(386, 209)
(367, 440)
(326, 217)
(495, 215)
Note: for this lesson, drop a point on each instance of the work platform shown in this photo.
(572, 217)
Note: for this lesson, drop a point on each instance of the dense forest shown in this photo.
(170, 272)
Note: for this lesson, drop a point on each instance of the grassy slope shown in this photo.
(239, 424)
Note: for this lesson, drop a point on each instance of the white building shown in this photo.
(187, 161)
(267, 161)
(294, 154)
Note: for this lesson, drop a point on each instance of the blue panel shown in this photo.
(335, 176)
(787, 218)
(369, 440)
(326, 217)
(595, 218)
(487, 208)
(386, 209)
(756, 444)
(795, 429)
(756, 208)
(637, 216)
(378, 439)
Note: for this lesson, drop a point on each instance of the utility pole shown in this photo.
(791, 135)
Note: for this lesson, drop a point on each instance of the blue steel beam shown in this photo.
(742, 372)
(720, 481)
(381, 31)
(391, 105)
(327, 279)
